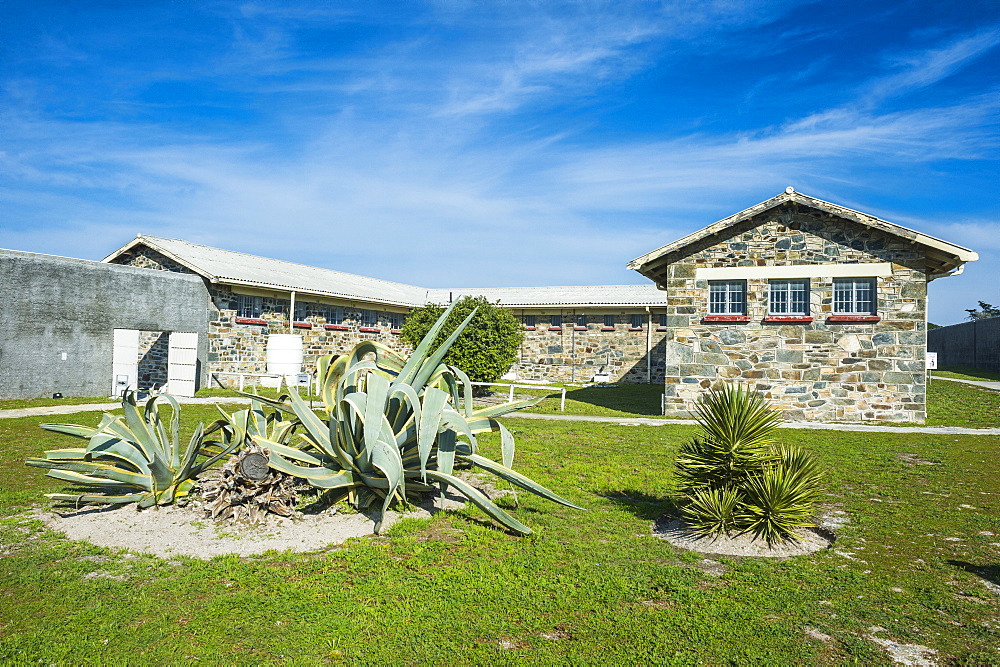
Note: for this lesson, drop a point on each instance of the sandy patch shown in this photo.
(674, 531)
(185, 530)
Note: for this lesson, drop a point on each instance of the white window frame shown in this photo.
(727, 305)
(249, 307)
(788, 296)
(847, 296)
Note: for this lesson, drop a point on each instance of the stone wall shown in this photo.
(154, 348)
(237, 346)
(817, 370)
(572, 354)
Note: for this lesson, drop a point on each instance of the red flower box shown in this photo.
(853, 318)
(607, 328)
(337, 327)
(249, 320)
(302, 325)
(579, 328)
(635, 328)
(555, 328)
(725, 318)
(395, 331)
(789, 318)
(530, 328)
(369, 330)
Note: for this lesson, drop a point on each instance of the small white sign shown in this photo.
(932, 361)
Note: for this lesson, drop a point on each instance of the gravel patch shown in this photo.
(185, 530)
(674, 531)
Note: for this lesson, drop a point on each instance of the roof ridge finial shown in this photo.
(789, 190)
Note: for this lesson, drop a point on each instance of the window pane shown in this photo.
(663, 320)
(609, 320)
(557, 320)
(581, 320)
(637, 321)
(529, 320)
(789, 297)
(726, 297)
(854, 295)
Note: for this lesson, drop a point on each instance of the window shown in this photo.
(663, 320)
(302, 311)
(789, 297)
(369, 318)
(333, 314)
(275, 305)
(529, 321)
(249, 307)
(609, 321)
(556, 322)
(854, 296)
(581, 321)
(637, 321)
(727, 297)
(395, 321)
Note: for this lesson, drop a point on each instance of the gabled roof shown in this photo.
(942, 257)
(236, 268)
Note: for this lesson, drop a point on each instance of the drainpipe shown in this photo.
(649, 346)
(291, 314)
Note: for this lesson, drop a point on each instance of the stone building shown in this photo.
(572, 334)
(819, 307)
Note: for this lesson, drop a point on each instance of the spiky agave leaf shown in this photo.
(393, 425)
(138, 451)
(711, 511)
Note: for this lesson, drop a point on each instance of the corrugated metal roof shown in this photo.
(227, 266)
(535, 297)
(237, 268)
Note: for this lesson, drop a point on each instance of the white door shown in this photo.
(182, 363)
(125, 361)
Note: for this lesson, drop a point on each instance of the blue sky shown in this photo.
(460, 143)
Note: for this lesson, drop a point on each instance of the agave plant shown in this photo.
(393, 426)
(134, 458)
(734, 477)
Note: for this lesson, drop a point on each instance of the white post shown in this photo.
(511, 393)
(562, 403)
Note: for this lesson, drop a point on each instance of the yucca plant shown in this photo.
(394, 426)
(735, 478)
(134, 458)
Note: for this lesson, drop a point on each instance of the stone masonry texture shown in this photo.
(819, 370)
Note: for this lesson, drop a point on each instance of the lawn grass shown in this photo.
(43, 401)
(967, 373)
(588, 587)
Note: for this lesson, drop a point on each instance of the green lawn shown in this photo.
(967, 373)
(588, 587)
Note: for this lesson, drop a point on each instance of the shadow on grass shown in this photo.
(642, 505)
(641, 399)
(989, 573)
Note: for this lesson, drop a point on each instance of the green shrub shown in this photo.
(734, 478)
(486, 348)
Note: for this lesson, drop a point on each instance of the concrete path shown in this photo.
(988, 384)
(625, 421)
(876, 428)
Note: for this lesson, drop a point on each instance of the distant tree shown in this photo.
(931, 326)
(985, 311)
(487, 347)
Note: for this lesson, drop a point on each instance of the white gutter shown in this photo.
(649, 346)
